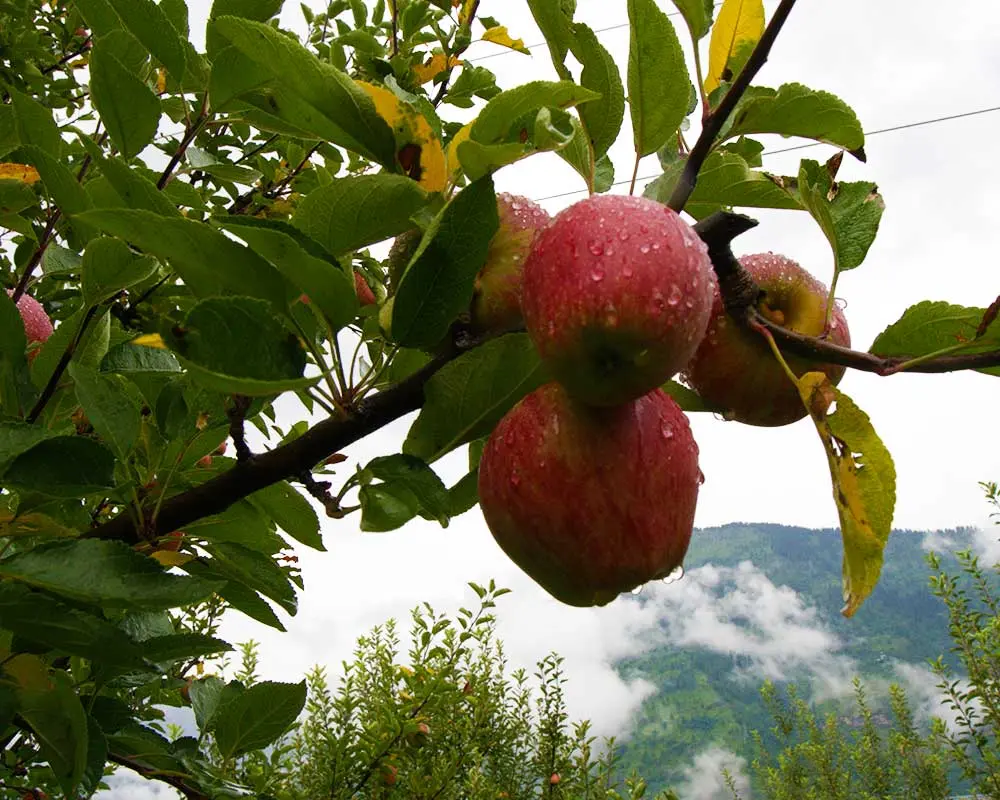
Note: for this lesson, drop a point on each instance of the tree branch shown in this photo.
(284, 462)
(740, 294)
(178, 782)
(713, 122)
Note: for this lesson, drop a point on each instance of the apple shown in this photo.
(591, 501)
(496, 304)
(389, 774)
(37, 325)
(617, 296)
(398, 259)
(734, 368)
(365, 294)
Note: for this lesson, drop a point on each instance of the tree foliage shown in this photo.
(200, 225)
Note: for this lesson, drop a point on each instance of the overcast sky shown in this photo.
(894, 63)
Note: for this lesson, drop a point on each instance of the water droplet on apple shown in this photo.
(596, 247)
(627, 271)
(623, 235)
(675, 295)
(597, 275)
(666, 430)
(644, 249)
(656, 245)
(515, 480)
(701, 475)
(609, 250)
(674, 575)
(509, 438)
(658, 304)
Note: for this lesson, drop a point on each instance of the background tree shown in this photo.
(169, 208)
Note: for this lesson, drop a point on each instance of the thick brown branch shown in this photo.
(713, 122)
(284, 462)
(177, 781)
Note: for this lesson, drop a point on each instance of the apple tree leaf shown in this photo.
(697, 14)
(467, 397)
(129, 109)
(659, 93)
(501, 114)
(603, 116)
(408, 487)
(864, 483)
(929, 327)
(796, 110)
(556, 27)
(848, 213)
(257, 717)
(737, 29)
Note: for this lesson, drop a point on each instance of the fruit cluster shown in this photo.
(590, 483)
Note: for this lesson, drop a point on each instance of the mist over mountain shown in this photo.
(762, 601)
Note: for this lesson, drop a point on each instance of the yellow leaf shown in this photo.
(171, 558)
(467, 10)
(499, 35)
(32, 524)
(737, 30)
(434, 67)
(18, 172)
(418, 148)
(864, 483)
(454, 165)
(161, 80)
(150, 340)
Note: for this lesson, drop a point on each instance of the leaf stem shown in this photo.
(635, 174)
(715, 120)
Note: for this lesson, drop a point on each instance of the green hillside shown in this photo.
(705, 697)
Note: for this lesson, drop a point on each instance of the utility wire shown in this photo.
(904, 126)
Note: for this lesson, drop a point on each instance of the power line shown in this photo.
(904, 126)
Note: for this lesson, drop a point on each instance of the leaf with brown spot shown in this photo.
(864, 483)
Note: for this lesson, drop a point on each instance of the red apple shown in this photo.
(591, 502)
(365, 293)
(389, 774)
(37, 325)
(617, 296)
(734, 368)
(496, 305)
(204, 462)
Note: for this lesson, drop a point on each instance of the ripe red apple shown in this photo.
(389, 774)
(617, 296)
(496, 304)
(37, 325)
(734, 368)
(591, 502)
(365, 293)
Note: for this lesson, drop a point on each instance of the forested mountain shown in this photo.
(707, 691)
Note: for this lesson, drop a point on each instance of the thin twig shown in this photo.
(189, 136)
(53, 384)
(713, 122)
(83, 48)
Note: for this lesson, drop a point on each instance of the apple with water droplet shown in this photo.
(496, 304)
(617, 295)
(734, 368)
(37, 325)
(591, 501)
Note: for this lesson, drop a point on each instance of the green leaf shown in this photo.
(168, 649)
(258, 717)
(209, 262)
(385, 507)
(325, 283)
(256, 570)
(15, 196)
(726, 180)
(659, 91)
(238, 595)
(467, 397)
(43, 619)
(34, 124)
(145, 20)
(438, 284)
(212, 343)
(234, 75)
(49, 705)
(848, 213)
(796, 110)
(686, 398)
(108, 405)
(930, 327)
(409, 477)
(864, 483)
(129, 110)
(91, 349)
(128, 358)
(19, 437)
(556, 27)
(259, 10)
(61, 184)
(350, 213)
(205, 695)
(110, 574)
(242, 523)
(110, 266)
(697, 14)
(578, 153)
(101, 18)
(500, 114)
(97, 756)
(291, 512)
(346, 107)
(603, 116)
(64, 466)
(133, 190)
(464, 495)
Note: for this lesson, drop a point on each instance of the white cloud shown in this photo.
(125, 785)
(703, 779)
(926, 699)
